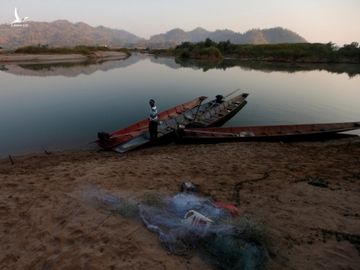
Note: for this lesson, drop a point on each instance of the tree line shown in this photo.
(297, 52)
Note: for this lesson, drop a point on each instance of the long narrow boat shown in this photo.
(212, 113)
(218, 111)
(109, 141)
(262, 133)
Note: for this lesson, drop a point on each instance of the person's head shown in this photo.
(152, 102)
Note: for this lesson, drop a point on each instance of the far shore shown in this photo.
(19, 58)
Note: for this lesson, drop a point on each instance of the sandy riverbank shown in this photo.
(52, 58)
(45, 224)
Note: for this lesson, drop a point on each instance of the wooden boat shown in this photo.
(212, 113)
(109, 141)
(218, 111)
(262, 133)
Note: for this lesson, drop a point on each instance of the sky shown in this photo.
(323, 21)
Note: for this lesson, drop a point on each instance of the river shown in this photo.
(63, 106)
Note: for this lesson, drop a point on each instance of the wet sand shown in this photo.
(46, 225)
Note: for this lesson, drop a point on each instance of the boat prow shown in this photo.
(110, 141)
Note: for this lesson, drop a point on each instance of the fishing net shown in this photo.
(222, 241)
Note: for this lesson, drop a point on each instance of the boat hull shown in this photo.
(263, 133)
(109, 141)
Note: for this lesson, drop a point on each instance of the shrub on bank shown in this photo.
(207, 53)
(201, 50)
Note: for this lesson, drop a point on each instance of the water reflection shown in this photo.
(350, 69)
(89, 67)
(69, 69)
(61, 106)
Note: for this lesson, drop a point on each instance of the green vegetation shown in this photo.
(202, 50)
(299, 52)
(85, 50)
(295, 52)
(269, 66)
(45, 49)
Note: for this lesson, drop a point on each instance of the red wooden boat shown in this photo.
(212, 113)
(109, 141)
(262, 133)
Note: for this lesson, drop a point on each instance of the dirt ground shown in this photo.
(45, 224)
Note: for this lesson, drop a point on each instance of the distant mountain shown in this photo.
(255, 36)
(64, 33)
(198, 34)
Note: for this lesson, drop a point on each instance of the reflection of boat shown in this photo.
(262, 133)
(109, 141)
(213, 113)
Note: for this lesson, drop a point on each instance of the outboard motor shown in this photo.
(103, 136)
(219, 99)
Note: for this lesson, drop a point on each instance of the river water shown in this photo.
(63, 106)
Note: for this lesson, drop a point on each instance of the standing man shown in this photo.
(153, 120)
